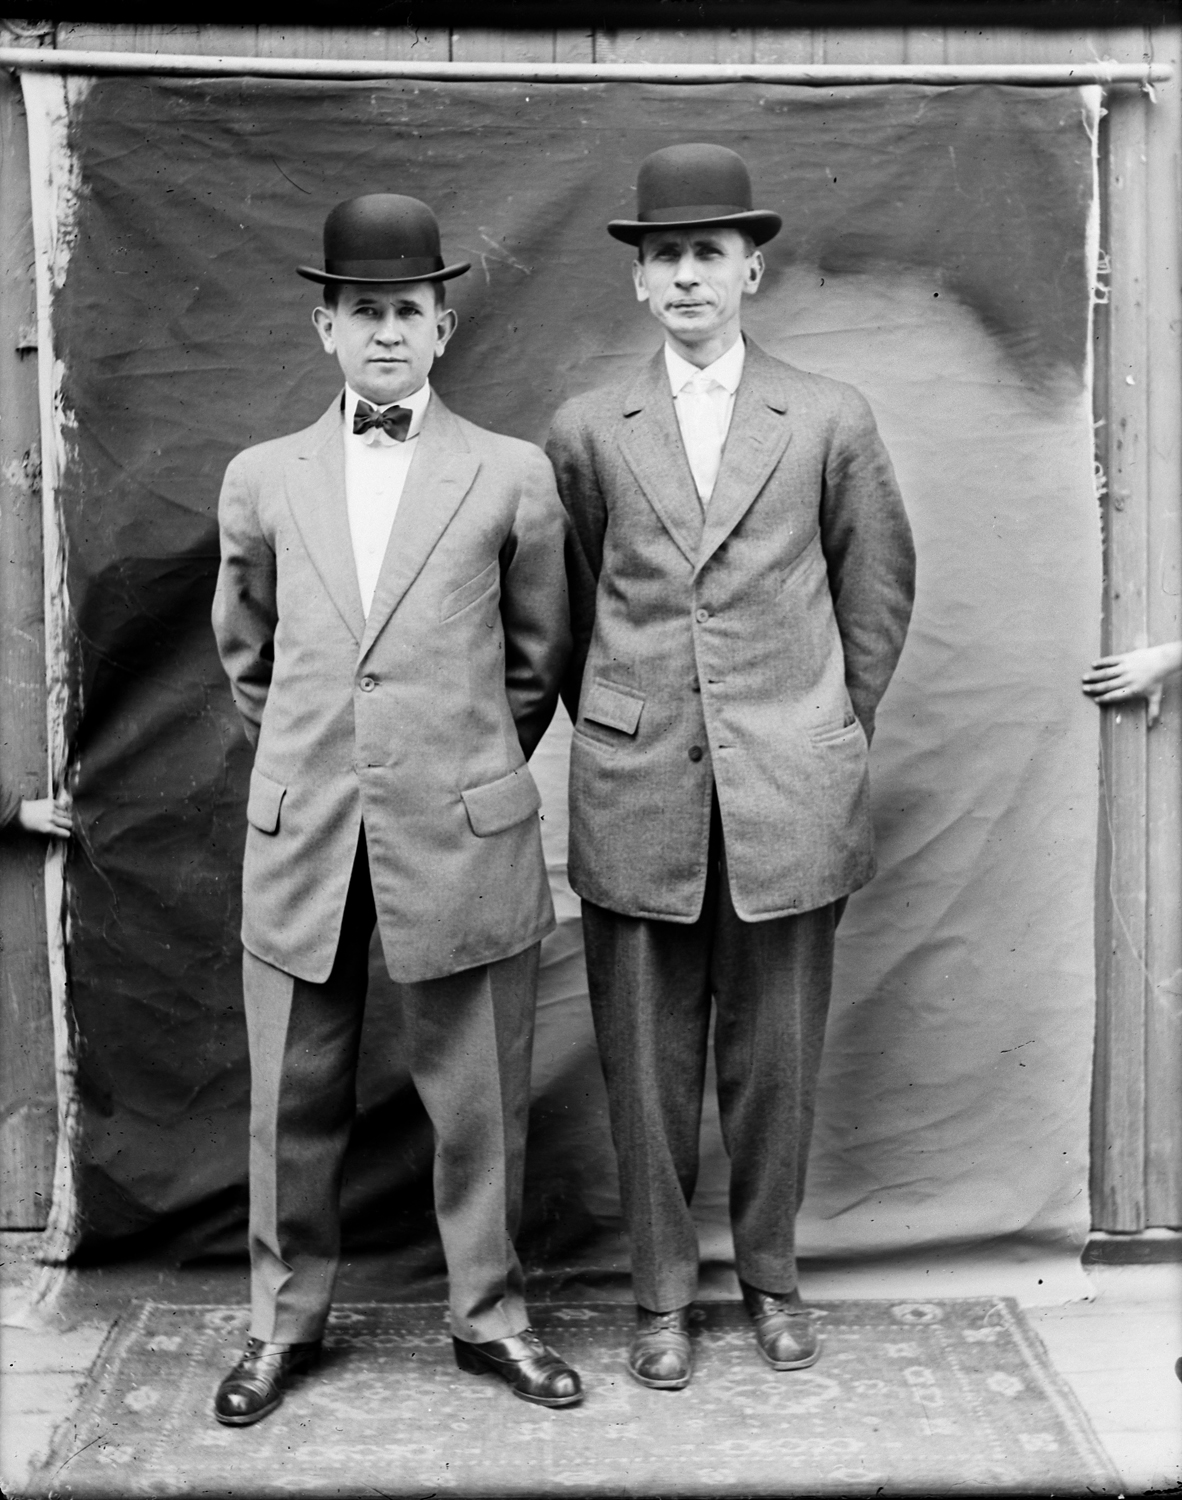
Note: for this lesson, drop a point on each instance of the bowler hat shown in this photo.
(693, 187)
(382, 237)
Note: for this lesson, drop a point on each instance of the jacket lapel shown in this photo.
(653, 450)
(315, 484)
(441, 474)
(759, 434)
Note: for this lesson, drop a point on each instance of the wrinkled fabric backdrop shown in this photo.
(935, 253)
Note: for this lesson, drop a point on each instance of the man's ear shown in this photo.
(638, 280)
(323, 319)
(755, 269)
(446, 324)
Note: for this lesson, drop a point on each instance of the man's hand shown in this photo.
(1134, 674)
(47, 815)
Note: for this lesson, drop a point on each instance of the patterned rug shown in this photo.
(908, 1397)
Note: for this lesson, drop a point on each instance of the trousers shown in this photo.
(469, 1040)
(652, 987)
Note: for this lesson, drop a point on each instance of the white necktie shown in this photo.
(701, 407)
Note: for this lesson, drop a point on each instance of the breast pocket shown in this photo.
(470, 592)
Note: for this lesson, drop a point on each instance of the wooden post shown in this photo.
(28, 1105)
(1118, 1105)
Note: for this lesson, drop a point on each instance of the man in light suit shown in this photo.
(742, 576)
(392, 613)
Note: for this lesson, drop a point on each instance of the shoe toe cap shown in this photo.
(662, 1364)
(237, 1402)
(791, 1345)
(563, 1385)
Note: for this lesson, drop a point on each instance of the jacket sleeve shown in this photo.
(569, 450)
(868, 548)
(244, 605)
(535, 611)
(10, 806)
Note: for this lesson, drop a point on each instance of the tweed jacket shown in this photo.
(743, 648)
(417, 720)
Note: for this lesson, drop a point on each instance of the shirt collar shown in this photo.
(416, 402)
(727, 369)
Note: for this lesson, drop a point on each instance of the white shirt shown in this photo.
(705, 401)
(375, 474)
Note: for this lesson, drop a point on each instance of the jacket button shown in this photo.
(695, 686)
(701, 615)
(695, 753)
(367, 684)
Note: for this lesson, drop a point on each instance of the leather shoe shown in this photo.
(254, 1387)
(661, 1355)
(784, 1331)
(528, 1367)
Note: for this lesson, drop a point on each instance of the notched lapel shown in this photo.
(315, 485)
(759, 433)
(441, 474)
(651, 443)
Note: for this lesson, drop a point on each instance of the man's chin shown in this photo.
(690, 330)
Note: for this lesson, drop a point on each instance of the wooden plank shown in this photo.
(574, 46)
(924, 46)
(863, 44)
(1163, 1041)
(362, 42)
(481, 44)
(93, 36)
(28, 1102)
(670, 46)
(787, 46)
(1118, 1114)
(967, 44)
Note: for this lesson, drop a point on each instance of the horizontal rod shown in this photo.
(53, 60)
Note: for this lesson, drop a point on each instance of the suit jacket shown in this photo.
(745, 647)
(418, 719)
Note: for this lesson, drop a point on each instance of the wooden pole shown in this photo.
(818, 74)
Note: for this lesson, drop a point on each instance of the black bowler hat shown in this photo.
(382, 237)
(693, 187)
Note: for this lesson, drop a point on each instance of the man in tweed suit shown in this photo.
(392, 613)
(741, 575)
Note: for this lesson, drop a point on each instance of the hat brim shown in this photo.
(758, 223)
(310, 273)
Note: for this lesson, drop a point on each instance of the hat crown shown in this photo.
(692, 176)
(378, 227)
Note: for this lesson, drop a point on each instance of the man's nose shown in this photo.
(389, 330)
(687, 270)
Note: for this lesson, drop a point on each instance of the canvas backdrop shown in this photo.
(937, 253)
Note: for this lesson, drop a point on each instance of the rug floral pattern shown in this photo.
(908, 1396)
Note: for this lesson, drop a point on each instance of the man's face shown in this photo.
(386, 337)
(695, 279)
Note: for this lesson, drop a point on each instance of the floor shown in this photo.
(1117, 1350)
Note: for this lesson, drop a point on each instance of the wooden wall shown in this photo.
(1137, 1117)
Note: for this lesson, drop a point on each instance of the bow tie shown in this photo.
(394, 421)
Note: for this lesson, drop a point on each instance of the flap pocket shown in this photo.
(469, 592)
(616, 707)
(263, 804)
(501, 804)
